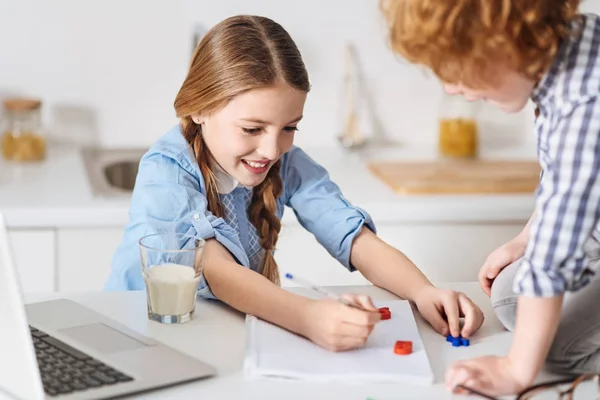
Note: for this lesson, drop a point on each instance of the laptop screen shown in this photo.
(19, 375)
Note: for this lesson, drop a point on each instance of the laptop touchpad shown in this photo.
(102, 338)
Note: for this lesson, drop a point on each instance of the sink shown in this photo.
(112, 172)
(121, 175)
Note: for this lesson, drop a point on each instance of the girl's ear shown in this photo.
(198, 119)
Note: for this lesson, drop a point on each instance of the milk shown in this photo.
(171, 289)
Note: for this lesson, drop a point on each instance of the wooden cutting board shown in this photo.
(459, 176)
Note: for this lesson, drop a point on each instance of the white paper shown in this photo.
(273, 352)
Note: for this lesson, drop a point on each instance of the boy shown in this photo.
(506, 52)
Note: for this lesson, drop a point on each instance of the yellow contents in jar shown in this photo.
(23, 147)
(458, 137)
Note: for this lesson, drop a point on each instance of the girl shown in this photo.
(226, 173)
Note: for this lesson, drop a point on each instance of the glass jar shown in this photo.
(458, 127)
(22, 137)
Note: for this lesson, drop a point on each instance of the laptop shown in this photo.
(63, 350)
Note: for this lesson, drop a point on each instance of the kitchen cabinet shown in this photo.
(34, 256)
(444, 252)
(449, 252)
(84, 257)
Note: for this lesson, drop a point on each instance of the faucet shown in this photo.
(352, 136)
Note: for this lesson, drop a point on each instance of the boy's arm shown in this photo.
(524, 234)
(566, 214)
(566, 206)
(537, 320)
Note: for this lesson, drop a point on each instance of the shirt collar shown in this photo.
(225, 182)
(542, 88)
(542, 92)
(565, 55)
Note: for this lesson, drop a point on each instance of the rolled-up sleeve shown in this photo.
(567, 207)
(320, 206)
(167, 198)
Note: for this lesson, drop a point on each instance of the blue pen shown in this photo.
(320, 290)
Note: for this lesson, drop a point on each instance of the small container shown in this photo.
(172, 266)
(22, 137)
(458, 127)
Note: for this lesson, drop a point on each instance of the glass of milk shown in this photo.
(172, 269)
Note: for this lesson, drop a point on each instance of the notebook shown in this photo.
(274, 353)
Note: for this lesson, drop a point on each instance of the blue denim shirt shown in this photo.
(170, 196)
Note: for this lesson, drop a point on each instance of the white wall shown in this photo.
(109, 70)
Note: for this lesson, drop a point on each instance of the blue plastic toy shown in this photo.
(457, 341)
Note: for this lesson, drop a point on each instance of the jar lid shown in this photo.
(21, 104)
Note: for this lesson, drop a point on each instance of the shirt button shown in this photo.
(196, 216)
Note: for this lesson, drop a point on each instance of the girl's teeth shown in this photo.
(255, 164)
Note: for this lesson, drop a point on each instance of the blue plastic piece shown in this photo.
(458, 341)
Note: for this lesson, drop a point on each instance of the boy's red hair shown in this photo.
(461, 39)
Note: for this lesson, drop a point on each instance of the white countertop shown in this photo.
(57, 193)
(216, 336)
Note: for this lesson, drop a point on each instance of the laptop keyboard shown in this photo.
(65, 369)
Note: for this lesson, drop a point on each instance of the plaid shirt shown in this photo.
(567, 207)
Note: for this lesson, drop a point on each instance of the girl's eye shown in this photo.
(251, 130)
(290, 128)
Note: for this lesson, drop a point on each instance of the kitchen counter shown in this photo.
(57, 193)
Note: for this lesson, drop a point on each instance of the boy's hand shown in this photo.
(498, 260)
(338, 327)
(444, 308)
(493, 376)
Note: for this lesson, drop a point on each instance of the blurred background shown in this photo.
(106, 74)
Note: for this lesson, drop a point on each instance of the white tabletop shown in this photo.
(216, 336)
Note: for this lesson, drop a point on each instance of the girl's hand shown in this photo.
(338, 327)
(444, 308)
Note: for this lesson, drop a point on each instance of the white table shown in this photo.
(216, 336)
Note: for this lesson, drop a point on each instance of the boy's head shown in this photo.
(496, 50)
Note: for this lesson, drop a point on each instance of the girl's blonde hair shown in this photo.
(461, 39)
(239, 54)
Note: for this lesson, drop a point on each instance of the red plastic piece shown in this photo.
(403, 347)
(385, 313)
